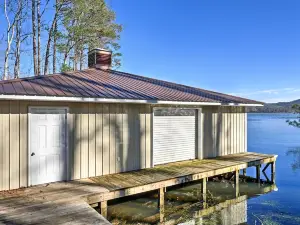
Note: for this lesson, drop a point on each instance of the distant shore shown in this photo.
(279, 107)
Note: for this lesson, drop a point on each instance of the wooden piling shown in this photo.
(237, 181)
(161, 203)
(258, 174)
(103, 209)
(273, 169)
(244, 172)
(204, 191)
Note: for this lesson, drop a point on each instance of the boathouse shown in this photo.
(99, 121)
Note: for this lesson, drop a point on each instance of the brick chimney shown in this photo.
(99, 58)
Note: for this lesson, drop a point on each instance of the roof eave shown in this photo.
(110, 100)
(245, 104)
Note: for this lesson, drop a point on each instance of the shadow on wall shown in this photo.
(107, 138)
(223, 131)
(112, 138)
(219, 132)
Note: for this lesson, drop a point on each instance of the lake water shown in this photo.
(269, 133)
(264, 204)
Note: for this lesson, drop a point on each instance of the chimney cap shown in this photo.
(100, 49)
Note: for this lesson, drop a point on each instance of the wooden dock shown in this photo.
(184, 204)
(69, 202)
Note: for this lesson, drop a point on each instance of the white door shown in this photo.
(174, 132)
(48, 149)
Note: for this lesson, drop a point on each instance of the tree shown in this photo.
(52, 34)
(88, 24)
(38, 20)
(55, 34)
(20, 36)
(61, 34)
(295, 122)
(11, 14)
(18, 46)
(34, 46)
(37, 14)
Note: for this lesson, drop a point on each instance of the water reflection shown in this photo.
(184, 205)
(295, 152)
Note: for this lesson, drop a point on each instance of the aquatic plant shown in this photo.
(295, 152)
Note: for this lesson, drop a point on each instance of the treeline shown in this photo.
(280, 107)
(55, 35)
(270, 109)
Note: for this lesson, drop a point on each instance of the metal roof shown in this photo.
(111, 84)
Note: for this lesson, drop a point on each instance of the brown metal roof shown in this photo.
(111, 84)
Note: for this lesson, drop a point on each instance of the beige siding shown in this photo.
(103, 138)
(119, 137)
(76, 141)
(99, 139)
(148, 135)
(5, 144)
(14, 145)
(108, 138)
(92, 140)
(224, 130)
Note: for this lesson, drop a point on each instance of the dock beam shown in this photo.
(161, 203)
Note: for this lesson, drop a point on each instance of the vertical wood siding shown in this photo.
(102, 139)
(224, 131)
(108, 138)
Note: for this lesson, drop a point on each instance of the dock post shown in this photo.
(273, 174)
(258, 174)
(103, 209)
(237, 183)
(203, 191)
(161, 203)
(244, 172)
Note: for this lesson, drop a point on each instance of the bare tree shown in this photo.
(55, 39)
(34, 46)
(39, 19)
(19, 21)
(74, 27)
(17, 51)
(21, 35)
(10, 11)
(81, 59)
(51, 35)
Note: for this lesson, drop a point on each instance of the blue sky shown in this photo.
(245, 48)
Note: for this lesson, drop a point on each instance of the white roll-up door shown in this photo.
(174, 132)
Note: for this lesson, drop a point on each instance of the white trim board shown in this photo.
(107, 100)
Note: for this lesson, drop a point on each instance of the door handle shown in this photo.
(32, 154)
